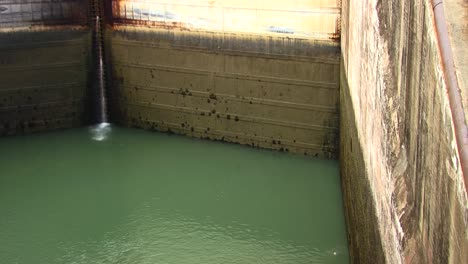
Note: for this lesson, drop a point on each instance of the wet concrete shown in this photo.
(44, 78)
(403, 193)
(252, 90)
(45, 64)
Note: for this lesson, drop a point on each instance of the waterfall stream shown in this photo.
(102, 118)
(102, 129)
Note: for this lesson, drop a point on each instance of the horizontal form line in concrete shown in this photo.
(36, 106)
(59, 86)
(329, 60)
(43, 44)
(42, 66)
(298, 82)
(246, 99)
(38, 125)
(46, 120)
(218, 134)
(241, 118)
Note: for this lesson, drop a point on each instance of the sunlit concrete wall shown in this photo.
(45, 55)
(295, 19)
(404, 195)
(457, 26)
(269, 92)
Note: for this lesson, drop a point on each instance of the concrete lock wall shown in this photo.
(271, 92)
(45, 56)
(401, 178)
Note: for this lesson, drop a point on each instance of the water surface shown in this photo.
(145, 197)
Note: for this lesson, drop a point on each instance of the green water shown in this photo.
(144, 197)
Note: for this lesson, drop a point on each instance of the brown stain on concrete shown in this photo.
(243, 91)
(400, 171)
(44, 73)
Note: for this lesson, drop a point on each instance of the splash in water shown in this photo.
(100, 132)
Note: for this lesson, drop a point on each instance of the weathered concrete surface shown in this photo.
(277, 93)
(25, 13)
(404, 196)
(45, 58)
(44, 78)
(457, 19)
(295, 19)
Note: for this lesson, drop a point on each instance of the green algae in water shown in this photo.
(142, 197)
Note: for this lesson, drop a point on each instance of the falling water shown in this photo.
(100, 72)
(102, 129)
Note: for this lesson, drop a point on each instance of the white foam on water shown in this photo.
(100, 132)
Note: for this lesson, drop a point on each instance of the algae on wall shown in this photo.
(269, 92)
(45, 56)
(44, 75)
